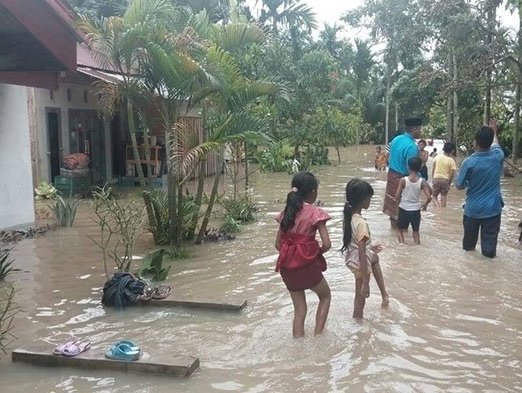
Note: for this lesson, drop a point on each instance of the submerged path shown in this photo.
(454, 323)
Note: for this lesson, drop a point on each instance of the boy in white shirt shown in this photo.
(410, 205)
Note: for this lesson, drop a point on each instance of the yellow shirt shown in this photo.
(444, 166)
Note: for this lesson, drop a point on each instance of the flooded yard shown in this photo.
(454, 323)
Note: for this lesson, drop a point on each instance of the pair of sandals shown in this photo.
(157, 293)
(123, 350)
(72, 347)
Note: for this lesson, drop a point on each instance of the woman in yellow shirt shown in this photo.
(444, 169)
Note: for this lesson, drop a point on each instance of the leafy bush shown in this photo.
(6, 263)
(276, 158)
(64, 210)
(240, 209)
(121, 217)
(45, 191)
(160, 221)
(230, 225)
(8, 310)
(315, 155)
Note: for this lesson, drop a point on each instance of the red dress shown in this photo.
(300, 261)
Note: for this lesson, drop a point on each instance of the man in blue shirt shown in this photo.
(480, 173)
(402, 148)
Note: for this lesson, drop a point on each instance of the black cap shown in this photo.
(413, 122)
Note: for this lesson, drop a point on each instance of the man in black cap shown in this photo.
(402, 148)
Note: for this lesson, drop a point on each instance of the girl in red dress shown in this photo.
(301, 261)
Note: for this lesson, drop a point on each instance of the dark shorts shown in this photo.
(409, 217)
(440, 186)
(303, 278)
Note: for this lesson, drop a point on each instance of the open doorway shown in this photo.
(54, 148)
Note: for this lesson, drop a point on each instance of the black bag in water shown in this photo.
(122, 290)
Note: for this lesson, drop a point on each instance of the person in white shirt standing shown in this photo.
(408, 196)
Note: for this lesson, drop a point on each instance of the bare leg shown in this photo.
(299, 300)
(359, 300)
(400, 235)
(443, 200)
(435, 199)
(379, 278)
(393, 223)
(323, 292)
(416, 237)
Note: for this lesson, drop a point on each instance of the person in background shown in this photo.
(381, 159)
(408, 196)
(480, 173)
(433, 153)
(423, 154)
(402, 148)
(361, 257)
(301, 261)
(444, 169)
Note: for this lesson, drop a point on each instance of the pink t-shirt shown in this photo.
(307, 219)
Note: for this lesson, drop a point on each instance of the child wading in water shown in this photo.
(361, 256)
(410, 205)
(301, 261)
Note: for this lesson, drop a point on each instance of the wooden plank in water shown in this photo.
(206, 305)
(94, 359)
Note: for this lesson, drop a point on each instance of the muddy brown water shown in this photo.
(454, 323)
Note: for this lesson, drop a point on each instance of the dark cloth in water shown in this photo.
(122, 290)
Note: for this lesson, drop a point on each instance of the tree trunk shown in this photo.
(490, 15)
(455, 100)
(449, 103)
(201, 174)
(179, 216)
(169, 116)
(135, 151)
(338, 153)
(247, 176)
(387, 103)
(516, 130)
(212, 200)
(153, 223)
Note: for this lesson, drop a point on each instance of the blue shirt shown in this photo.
(481, 173)
(402, 148)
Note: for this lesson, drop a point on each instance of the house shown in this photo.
(35, 48)
(47, 108)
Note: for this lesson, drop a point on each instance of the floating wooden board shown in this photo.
(202, 304)
(94, 359)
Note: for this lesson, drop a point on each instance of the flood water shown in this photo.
(454, 323)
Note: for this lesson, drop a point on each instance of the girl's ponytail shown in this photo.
(357, 190)
(347, 226)
(303, 183)
(294, 203)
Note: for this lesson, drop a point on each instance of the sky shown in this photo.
(330, 11)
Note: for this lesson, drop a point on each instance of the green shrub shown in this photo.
(240, 209)
(160, 210)
(230, 225)
(276, 158)
(8, 310)
(64, 210)
(6, 263)
(45, 191)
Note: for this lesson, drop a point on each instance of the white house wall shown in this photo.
(59, 99)
(16, 183)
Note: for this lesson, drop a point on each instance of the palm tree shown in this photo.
(287, 13)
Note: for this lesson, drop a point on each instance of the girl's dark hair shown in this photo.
(357, 190)
(304, 183)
